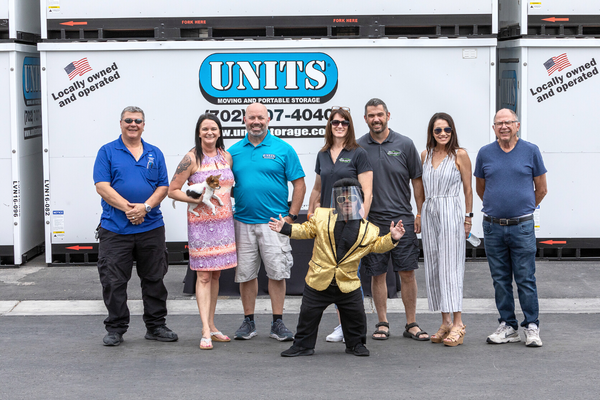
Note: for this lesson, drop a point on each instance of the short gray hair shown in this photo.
(374, 102)
(133, 109)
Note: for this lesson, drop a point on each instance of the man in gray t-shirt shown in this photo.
(396, 162)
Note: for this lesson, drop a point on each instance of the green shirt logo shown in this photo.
(345, 160)
(393, 153)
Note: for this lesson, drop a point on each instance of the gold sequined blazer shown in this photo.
(323, 265)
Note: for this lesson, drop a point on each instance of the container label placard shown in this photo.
(268, 78)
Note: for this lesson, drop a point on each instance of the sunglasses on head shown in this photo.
(340, 108)
(130, 120)
(351, 198)
(336, 122)
(447, 129)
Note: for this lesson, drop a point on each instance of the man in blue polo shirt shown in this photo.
(511, 181)
(263, 165)
(131, 177)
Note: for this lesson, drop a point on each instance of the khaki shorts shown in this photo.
(255, 242)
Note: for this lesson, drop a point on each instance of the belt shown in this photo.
(507, 221)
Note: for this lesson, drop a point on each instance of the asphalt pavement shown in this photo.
(51, 345)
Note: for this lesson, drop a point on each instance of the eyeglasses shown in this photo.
(351, 198)
(340, 108)
(130, 120)
(438, 131)
(336, 122)
(507, 123)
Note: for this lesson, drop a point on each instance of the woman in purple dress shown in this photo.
(211, 239)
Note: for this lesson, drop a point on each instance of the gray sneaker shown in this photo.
(246, 331)
(504, 334)
(280, 332)
(532, 336)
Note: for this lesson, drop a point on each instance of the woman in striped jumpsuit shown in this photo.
(446, 167)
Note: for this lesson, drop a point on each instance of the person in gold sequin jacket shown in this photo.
(342, 238)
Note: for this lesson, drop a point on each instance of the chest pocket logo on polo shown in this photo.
(345, 160)
(269, 156)
(151, 169)
(394, 153)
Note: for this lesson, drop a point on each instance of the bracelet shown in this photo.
(419, 215)
(309, 215)
(468, 223)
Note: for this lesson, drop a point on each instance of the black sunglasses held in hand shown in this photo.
(336, 122)
(447, 129)
(130, 120)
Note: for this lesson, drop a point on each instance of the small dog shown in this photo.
(208, 187)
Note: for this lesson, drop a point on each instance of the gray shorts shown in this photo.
(405, 256)
(255, 242)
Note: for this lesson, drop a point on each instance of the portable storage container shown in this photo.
(68, 20)
(20, 20)
(553, 85)
(298, 80)
(549, 18)
(21, 186)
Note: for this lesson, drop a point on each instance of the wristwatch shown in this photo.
(148, 208)
(293, 217)
(469, 215)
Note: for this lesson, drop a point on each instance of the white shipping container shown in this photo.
(78, 20)
(546, 17)
(553, 85)
(175, 82)
(20, 20)
(21, 189)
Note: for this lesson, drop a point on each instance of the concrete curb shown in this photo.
(263, 306)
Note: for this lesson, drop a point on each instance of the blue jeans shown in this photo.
(510, 251)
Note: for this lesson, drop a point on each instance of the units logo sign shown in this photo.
(32, 92)
(269, 78)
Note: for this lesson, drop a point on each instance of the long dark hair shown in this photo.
(452, 145)
(350, 140)
(220, 143)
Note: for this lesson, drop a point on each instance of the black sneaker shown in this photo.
(246, 331)
(162, 334)
(280, 332)
(112, 339)
(358, 350)
(296, 351)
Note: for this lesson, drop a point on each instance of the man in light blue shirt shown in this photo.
(263, 165)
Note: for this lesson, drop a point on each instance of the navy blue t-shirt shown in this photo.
(509, 190)
(134, 180)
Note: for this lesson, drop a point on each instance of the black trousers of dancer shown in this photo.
(116, 254)
(352, 315)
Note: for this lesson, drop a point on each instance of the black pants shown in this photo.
(352, 315)
(115, 264)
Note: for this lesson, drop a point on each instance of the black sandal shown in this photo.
(416, 336)
(380, 332)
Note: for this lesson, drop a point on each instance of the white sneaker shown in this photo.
(337, 335)
(504, 334)
(532, 335)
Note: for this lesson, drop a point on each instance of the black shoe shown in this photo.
(358, 350)
(296, 351)
(162, 334)
(112, 339)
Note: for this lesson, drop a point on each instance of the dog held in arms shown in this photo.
(208, 187)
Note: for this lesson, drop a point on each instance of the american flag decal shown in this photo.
(557, 63)
(78, 68)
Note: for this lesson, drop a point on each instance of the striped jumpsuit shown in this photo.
(443, 235)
